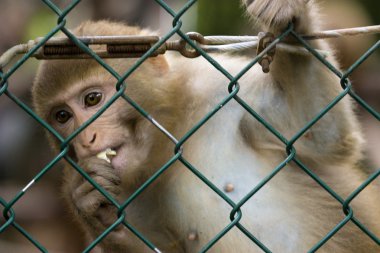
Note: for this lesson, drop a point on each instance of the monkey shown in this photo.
(233, 151)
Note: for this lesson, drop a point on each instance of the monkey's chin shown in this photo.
(119, 162)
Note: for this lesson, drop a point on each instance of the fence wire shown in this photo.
(233, 88)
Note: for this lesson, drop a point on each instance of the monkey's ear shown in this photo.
(159, 63)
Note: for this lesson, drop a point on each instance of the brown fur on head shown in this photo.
(54, 76)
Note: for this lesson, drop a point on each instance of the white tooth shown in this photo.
(106, 154)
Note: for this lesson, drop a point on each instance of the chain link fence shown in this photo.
(233, 88)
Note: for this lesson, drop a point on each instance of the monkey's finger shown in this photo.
(107, 214)
(90, 163)
(108, 174)
(86, 188)
(89, 204)
(94, 166)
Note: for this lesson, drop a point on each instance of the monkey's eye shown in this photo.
(62, 116)
(92, 99)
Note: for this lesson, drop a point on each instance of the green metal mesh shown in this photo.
(233, 88)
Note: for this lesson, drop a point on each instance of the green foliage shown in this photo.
(224, 17)
(41, 23)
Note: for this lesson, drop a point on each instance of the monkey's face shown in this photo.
(114, 129)
(68, 93)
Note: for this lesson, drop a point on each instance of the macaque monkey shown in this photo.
(178, 212)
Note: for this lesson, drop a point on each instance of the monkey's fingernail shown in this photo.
(106, 154)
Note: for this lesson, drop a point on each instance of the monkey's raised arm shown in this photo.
(299, 87)
(275, 16)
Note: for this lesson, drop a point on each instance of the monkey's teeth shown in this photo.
(106, 154)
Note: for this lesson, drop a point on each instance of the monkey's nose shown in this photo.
(93, 138)
(87, 140)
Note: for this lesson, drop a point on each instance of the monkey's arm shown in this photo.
(275, 16)
(300, 88)
(89, 207)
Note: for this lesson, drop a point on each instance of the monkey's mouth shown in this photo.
(107, 154)
(114, 156)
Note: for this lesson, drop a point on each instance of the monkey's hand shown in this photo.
(275, 15)
(92, 208)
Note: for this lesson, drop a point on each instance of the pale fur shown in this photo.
(290, 214)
